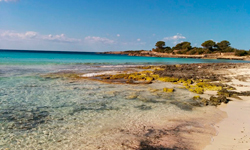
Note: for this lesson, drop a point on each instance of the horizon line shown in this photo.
(50, 51)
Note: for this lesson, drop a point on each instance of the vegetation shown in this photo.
(160, 44)
(208, 47)
(183, 46)
(223, 45)
(210, 44)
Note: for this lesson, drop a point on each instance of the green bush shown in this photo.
(241, 53)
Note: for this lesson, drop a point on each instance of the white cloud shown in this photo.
(138, 40)
(96, 39)
(118, 35)
(60, 38)
(9, 0)
(175, 37)
(16, 35)
(31, 35)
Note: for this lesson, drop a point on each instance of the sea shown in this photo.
(37, 112)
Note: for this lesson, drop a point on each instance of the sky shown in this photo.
(117, 25)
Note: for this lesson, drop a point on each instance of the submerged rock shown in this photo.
(132, 96)
(183, 105)
(23, 119)
(143, 107)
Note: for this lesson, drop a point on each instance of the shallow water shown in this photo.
(37, 112)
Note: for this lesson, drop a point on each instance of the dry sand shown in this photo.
(233, 132)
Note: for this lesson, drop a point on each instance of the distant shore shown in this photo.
(145, 53)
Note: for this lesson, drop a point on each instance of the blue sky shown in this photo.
(115, 25)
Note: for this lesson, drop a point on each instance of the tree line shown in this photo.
(208, 47)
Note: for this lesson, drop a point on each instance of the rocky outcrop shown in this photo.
(157, 54)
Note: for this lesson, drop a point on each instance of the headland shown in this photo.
(230, 55)
(209, 50)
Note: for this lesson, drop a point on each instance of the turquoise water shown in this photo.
(38, 112)
(38, 58)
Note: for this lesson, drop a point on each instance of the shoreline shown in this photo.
(221, 138)
(233, 132)
(176, 107)
(170, 55)
(237, 120)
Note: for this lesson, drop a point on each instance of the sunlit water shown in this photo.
(44, 113)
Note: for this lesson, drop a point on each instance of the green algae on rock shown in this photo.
(233, 94)
(212, 101)
(168, 90)
(196, 97)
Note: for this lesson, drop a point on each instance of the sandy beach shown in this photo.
(233, 132)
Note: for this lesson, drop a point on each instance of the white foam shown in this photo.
(119, 66)
(100, 73)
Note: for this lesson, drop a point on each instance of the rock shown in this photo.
(209, 86)
(233, 94)
(196, 97)
(168, 90)
(218, 100)
(197, 90)
(214, 101)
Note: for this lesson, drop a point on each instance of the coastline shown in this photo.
(228, 130)
(133, 107)
(171, 55)
(234, 130)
